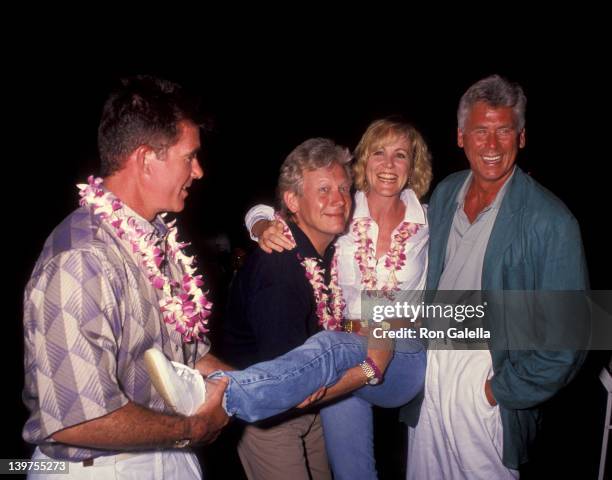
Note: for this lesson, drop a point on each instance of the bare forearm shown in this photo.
(131, 427)
(381, 356)
(209, 364)
(352, 379)
(355, 377)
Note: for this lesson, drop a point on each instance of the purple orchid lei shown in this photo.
(395, 258)
(329, 319)
(183, 305)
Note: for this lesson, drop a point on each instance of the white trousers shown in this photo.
(156, 465)
(459, 434)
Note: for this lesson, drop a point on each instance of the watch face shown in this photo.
(373, 381)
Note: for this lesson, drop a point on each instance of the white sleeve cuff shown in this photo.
(255, 214)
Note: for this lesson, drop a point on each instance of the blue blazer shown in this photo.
(535, 244)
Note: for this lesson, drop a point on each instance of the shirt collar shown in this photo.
(157, 226)
(305, 247)
(495, 204)
(414, 210)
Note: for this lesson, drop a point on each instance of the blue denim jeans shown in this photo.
(347, 423)
(269, 388)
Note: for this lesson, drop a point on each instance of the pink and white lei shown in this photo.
(395, 259)
(183, 305)
(329, 319)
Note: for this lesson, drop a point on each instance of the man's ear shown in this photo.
(291, 200)
(144, 156)
(459, 138)
(522, 138)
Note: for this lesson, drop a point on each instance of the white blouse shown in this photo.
(413, 273)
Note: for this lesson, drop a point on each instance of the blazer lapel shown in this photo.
(504, 231)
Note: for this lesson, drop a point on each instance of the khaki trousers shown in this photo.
(293, 449)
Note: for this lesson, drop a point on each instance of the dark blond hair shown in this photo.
(383, 131)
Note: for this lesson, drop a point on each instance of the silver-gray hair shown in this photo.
(495, 91)
(310, 155)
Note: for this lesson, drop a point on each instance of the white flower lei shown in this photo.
(315, 274)
(395, 259)
(184, 304)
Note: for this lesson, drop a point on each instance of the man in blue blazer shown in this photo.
(493, 228)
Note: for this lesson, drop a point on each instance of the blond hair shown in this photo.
(384, 131)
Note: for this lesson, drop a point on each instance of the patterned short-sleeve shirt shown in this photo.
(90, 313)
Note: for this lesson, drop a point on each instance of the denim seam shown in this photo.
(303, 367)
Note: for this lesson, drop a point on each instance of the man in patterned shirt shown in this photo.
(92, 306)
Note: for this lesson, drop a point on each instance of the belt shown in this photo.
(355, 326)
(361, 326)
(99, 461)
